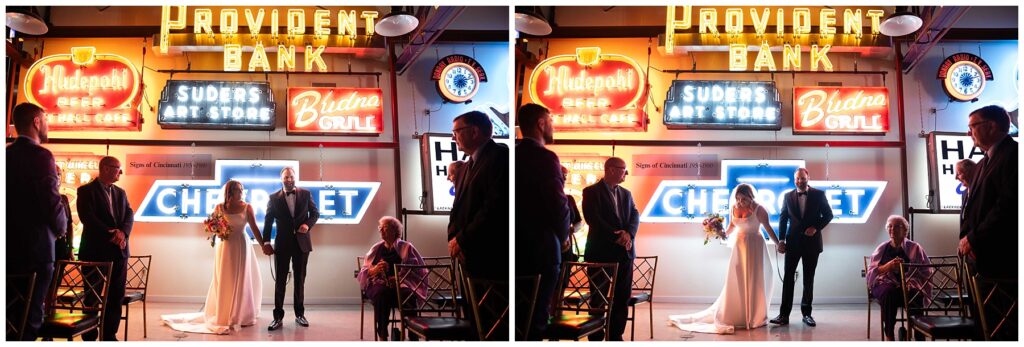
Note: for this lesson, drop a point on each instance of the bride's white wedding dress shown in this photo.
(235, 291)
(743, 302)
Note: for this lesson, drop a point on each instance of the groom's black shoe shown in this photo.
(810, 321)
(274, 325)
(780, 320)
(300, 320)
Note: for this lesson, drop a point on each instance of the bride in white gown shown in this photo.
(743, 303)
(235, 291)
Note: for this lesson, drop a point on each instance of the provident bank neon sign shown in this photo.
(688, 201)
(191, 201)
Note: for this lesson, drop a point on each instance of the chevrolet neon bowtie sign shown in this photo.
(191, 201)
(688, 201)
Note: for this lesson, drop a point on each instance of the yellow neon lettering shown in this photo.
(827, 22)
(760, 22)
(296, 22)
(734, 21)
(322, 22)
(737, 57)
(875, 16)
(801, 21)
(791, 58)
(285, 57)
(672, 24)
(369, 16)
(764, 58)
(233, 57)
(313, 56)
(853, 23)
(166, 25)
(708, 21)
(780, 23)
(820, 56)
(255, 24)
(204, 21)
(274, 24)
(259, 58)
(229, 21)
(347, 22)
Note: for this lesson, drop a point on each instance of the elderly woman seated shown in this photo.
(884, 271)
(377, 276)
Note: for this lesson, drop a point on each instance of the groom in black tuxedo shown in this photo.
(296, 214)
(805, 213)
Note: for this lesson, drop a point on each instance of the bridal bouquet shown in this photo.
(217, 225)
(713, 227)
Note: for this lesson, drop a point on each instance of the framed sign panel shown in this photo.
(335, 111)
(236, 105)
(841, 110)
(437, 150)
(743, 105)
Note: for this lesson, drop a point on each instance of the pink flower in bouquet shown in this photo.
(713, 227)
(217, 225)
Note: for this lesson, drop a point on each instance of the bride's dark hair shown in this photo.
(228, 188)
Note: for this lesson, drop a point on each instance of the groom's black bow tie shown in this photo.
(801, 193)
(289, 193)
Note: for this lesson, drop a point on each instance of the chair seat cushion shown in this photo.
(441, 328)
(68, 324)
(639, 297)
(944, 327)
(574, 326)
(132, 296)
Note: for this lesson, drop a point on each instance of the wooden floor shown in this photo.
(341, 323)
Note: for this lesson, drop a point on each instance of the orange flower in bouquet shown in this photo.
(217, 225)
(713, 227)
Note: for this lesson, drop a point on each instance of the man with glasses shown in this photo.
(478, 224)
(107, 219)
(613, 219)
(990, 214)
(35, 214)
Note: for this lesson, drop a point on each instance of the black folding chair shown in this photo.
(644, 270)
(436, 280)
(135, 289)
(526, 303)
(82, 290)
(19, 300)
(576, 318)
(929, 315)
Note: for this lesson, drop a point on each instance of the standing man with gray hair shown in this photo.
(35, 214)
(989, 226)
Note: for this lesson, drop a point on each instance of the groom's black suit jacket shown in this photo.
(288, 239)
(793, 222)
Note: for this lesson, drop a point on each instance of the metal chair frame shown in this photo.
(996, 296)
(138, 281)
(79, 293)
(19, 299)
(578, 282)
(644, 270)
(944, 280)
(440, 299)
(526, 296)
(491, 297)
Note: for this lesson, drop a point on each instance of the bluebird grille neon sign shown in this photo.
(687, 201)
(191, 201)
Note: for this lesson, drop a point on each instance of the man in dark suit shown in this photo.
(613, 219)
(296, 214)
(63, 249)
(35, 216)
(478, 224)
(989, 226)
(542, 212)
(965, 174)
(104, 211)
(805, 213)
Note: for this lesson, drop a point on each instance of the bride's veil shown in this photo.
(769, 261)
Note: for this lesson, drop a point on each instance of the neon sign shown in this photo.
(436, 152)
(341, 32)
(722, 105)
(854, 110)
(191, 201)
(216, 105)
(688, 201)
(591, 91)
(792, 31)
(458, 77)
(85, 91)
(944, 151)
(963, 76)
(335, 111)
